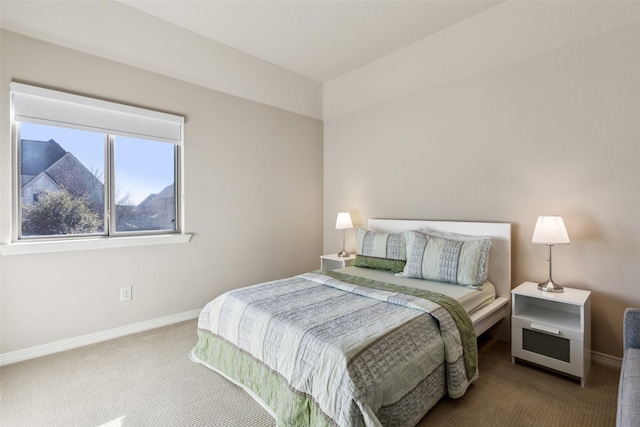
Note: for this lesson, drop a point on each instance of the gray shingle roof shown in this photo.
(37, 156)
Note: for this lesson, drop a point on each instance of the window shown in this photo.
(88, 168)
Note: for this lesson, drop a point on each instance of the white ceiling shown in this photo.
(320, 40)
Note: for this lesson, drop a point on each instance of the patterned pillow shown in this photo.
(458, 261)
(383, 251)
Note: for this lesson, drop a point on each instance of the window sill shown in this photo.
(27, 248)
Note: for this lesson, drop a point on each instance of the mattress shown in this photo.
(470, 299)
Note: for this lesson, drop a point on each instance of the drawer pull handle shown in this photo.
(545, 329)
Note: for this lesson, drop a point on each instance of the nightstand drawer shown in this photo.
(555, 351)
(547, 345)
(547, 328)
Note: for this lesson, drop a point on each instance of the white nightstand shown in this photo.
(552, 329)
(332, 262)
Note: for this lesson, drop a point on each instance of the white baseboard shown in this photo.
(71, 343)
(606, 360)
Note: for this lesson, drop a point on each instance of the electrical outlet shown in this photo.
(125, 293)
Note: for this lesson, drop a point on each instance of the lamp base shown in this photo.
(549, 286)
(343, 254)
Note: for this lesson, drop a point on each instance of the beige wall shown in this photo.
(555, 133)
(253, 188)
(527, 109)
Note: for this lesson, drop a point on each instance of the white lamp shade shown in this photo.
(550, 230)
(343, 221)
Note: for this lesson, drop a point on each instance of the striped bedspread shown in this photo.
(331, 349)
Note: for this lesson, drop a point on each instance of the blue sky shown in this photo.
(142, 167)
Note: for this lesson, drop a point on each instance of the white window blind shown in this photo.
(46, 106)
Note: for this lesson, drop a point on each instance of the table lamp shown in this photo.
(343, 222)
(550, 230)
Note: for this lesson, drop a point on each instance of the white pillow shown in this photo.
(450, 235)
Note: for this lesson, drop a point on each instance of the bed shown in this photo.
(375, 344)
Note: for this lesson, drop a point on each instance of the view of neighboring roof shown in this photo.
(38, 156)
(72, 175)
(167, 192)
(60, 167)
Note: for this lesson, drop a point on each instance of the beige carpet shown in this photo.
(523, 395)
(147, 380)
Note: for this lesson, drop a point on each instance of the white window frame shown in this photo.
(39, 105)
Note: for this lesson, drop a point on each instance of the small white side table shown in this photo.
(552, 329)
(333, 261)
